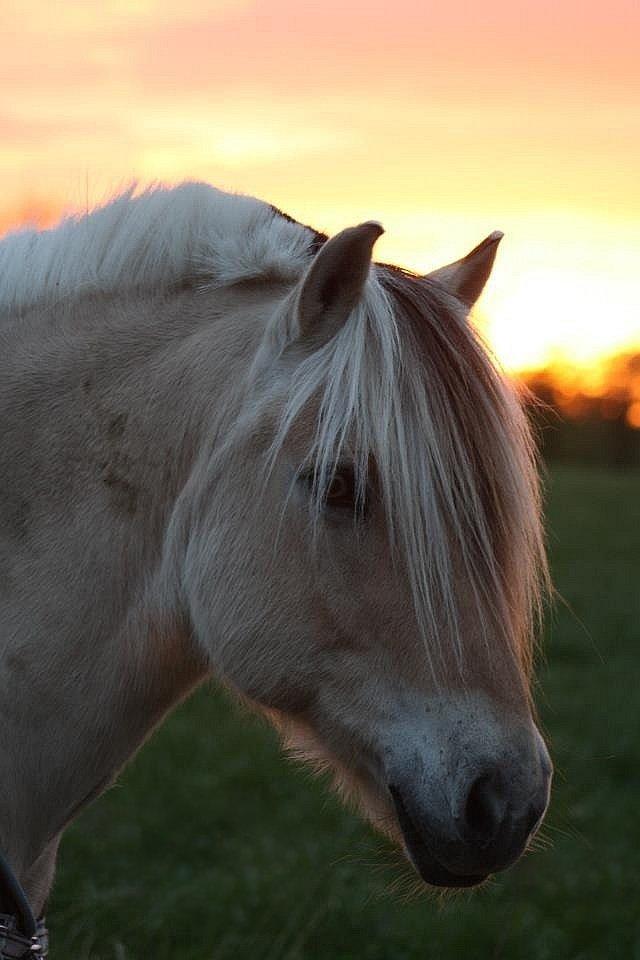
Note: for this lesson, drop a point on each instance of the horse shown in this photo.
(233, 447)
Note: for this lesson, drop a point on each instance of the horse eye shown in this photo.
(342, 492)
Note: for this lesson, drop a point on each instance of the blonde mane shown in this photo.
(406, 383)
(154, 239)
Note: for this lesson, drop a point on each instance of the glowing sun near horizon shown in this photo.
(442, 122)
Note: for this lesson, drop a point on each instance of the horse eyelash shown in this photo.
(308, 478)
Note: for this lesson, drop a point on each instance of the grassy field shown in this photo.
(214, 848)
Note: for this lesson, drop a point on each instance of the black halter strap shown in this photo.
(21, 935)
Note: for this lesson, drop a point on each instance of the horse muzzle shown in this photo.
(458, 831)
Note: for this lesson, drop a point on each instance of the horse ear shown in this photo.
(335, 281)
(465, 278)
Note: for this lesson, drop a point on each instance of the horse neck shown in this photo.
(98, 645)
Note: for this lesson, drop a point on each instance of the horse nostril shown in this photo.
(484, 809)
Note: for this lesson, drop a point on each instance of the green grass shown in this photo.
(214, 848)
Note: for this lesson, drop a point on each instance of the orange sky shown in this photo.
(444, 121)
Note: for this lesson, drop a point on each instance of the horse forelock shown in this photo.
(407, 385)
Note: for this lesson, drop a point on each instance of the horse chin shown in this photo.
(435, 875)
(356, 788)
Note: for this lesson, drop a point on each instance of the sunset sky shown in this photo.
(442, 120)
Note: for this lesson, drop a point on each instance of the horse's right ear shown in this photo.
(335, 281)
(465, 278)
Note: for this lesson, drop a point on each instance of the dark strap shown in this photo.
(20, 934)
(13, 893)
(15, 946)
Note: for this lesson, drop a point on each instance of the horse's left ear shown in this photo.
(335, 281)
(465, 278)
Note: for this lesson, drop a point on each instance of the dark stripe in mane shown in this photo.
(319, 239)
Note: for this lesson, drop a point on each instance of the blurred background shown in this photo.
(444, 122)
